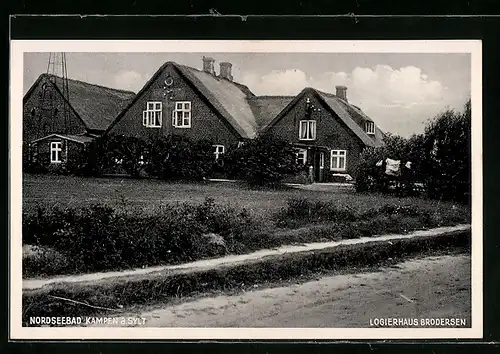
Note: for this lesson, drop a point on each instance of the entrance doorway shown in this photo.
(319, 166)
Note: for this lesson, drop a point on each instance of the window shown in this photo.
(302, 156)
(321, 160)
(338, 160)
(307, 130)
(55, 151)
(151, 117)
(181, 116)
(219, 150)
(370, 127)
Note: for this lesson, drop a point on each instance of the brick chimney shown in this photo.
(225, 71)
(208, 65)
(341, 92)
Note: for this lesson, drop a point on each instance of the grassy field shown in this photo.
(140, 227)
(48, 191)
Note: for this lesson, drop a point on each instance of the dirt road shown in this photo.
(433, 287)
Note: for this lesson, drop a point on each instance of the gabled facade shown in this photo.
(329, 132)
(48, 131)
(179, 100)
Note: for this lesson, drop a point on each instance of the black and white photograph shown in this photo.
(245, 189)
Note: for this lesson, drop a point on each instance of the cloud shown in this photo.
(399, 99)
(277, 82)
(129, 80)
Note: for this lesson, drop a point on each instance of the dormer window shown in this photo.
(307, 130)
(152, 116)
(370, 128)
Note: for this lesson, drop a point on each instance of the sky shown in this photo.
(400, 92)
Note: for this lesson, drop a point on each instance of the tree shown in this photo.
(447, 166)
(263, 161)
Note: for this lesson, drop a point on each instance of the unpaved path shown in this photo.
(432, 287)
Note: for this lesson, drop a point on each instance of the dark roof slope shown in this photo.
(353, 117)
(265, 108)
(96, 105)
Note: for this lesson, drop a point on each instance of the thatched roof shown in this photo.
(249, 114)
(350, 115)
(265, 108)
(97, 106)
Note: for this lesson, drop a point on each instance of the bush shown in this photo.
(177, 157)
(43, 261)
(99, 238)
(301, 211)
(263, 161)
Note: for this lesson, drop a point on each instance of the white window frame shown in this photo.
(321, 160)
(310, 126)
(55, 147)
(183, 107)
(219, 150)
(370, 127)
(304, 158)
(153, 112)
(338, 155)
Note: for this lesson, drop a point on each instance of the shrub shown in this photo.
(43, 261)
(177, 157)
(263, 161)
(129, 152)
(98, 238)
(304, 211)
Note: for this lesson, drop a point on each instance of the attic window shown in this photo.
(307, 130)
(370, 127)
(181, 116)
(151, 117)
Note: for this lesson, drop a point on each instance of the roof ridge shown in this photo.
(213, 76)
(92, 84)
(272, 96)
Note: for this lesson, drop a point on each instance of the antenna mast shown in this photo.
(57, 72)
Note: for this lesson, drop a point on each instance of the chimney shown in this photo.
(225, 71)
(208, 65)
(341, 92)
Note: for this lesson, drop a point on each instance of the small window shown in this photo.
(152, 116)
(338, 160)
(302, 156)
(307, 130)
(55, 151)
(370, 128)
(181, 116)
(219, 150)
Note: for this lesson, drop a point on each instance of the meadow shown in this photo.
(80, 225)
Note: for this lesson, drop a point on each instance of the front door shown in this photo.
(319, 164)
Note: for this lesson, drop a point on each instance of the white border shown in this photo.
(19, 47)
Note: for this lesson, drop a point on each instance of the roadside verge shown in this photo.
(113, 292)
